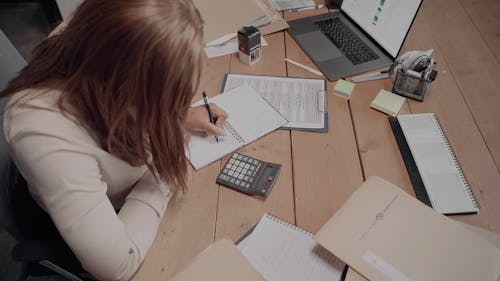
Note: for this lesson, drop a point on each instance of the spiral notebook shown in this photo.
(437, 178)
(284, 252)
(250, 117)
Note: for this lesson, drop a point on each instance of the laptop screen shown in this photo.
(386, 21)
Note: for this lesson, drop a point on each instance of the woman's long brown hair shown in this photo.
(127, 70)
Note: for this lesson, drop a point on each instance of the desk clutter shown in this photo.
(380, 233)
(301, 104)
(221, 30)
(392, 237)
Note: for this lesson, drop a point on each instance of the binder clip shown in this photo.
(249, 44)
(413, 73)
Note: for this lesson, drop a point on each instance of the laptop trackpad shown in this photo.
(318, 46)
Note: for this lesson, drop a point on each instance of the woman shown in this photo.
(96, 122)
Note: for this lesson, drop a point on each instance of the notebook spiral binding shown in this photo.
(289, 225)
(233, 132)
(455, 162)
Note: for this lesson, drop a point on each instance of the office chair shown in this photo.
(39, 247)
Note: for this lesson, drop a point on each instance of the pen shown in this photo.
(210, 115)
(304, 67)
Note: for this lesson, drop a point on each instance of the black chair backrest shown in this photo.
(11, 63)
(9, 177)
(20, 215)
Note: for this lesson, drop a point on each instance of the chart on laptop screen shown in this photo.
(386, 21)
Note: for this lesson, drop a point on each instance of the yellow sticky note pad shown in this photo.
(343, 88)
(388, 102)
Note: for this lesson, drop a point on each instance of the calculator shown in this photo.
(249, 175)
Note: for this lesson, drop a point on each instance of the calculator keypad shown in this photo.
(245, 173)
(240, 170)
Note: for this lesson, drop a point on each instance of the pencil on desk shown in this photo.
(304, 67)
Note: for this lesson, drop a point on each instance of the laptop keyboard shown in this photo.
(342, 37)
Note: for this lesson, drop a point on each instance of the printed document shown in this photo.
(302, 101)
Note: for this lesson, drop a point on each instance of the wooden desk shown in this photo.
(320, 171)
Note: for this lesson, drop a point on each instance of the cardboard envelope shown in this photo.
(223, 17)
(492, 237)
(221, 261)
(387, 235)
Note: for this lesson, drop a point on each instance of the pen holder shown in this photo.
(413, 84)
(249, 44)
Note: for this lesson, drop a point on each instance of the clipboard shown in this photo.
(261, 85)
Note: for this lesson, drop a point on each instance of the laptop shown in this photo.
(11, 62)
(363, 35)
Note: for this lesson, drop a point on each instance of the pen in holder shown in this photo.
(411, 83)
(249, 44)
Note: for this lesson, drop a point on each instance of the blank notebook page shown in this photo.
(283, 252)
(448, 190)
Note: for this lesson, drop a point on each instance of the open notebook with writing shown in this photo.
(435, 173)
(250, 117)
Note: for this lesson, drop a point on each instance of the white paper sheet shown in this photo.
(301, 101)
(283, 252)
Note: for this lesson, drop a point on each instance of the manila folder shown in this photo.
(386, 234)
(221, 261)
(223, 17)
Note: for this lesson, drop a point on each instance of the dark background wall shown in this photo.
(26, 23)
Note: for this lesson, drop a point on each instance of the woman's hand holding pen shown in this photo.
(197, 119)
